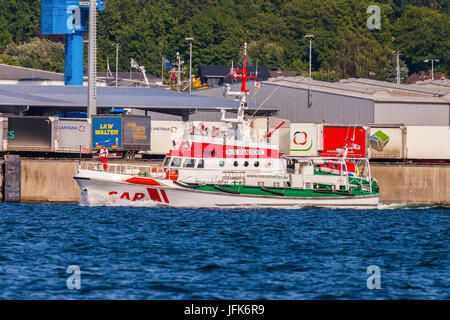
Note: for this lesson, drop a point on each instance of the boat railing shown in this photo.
(119, 168)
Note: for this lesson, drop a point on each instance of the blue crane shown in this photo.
(69, 17)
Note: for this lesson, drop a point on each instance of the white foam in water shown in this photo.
(94, 200)
(397, 206)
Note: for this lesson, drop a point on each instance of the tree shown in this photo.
(7, 59)
(391, 71)
(39, 54)
(423, 33)
(269, 54)
(361, 57)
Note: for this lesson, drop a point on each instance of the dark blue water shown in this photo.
(158, 253)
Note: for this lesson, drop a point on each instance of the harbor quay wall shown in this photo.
(52, 181)
(49, 181)
(413, 184)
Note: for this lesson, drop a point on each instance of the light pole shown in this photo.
(117, 45)
(190, 63)
(310, 37)
(432, 66)
(92, 60)
(397, 53)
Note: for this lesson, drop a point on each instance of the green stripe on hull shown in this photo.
(287, 192)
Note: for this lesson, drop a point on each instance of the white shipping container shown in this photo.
(72, 134)
(279, 137)
(306, 139)
(162, 135)
(386, 142)
(428, 142)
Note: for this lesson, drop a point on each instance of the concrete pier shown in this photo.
(52, 181)
(413, 184)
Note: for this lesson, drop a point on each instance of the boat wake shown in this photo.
(405, 206)
(96, 200)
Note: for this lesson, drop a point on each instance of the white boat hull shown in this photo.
(170, 194)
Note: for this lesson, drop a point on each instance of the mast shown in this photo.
(239, 74)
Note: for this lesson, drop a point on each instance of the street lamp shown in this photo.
(310, 37)
(190, 63)
(397, 53)
(117, 45)
(432, 66)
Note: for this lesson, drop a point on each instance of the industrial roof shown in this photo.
(333, 85)
(385, 84)
(126, 97)
(8, 72)
(443, 83)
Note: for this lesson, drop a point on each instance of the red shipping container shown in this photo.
(336, 139)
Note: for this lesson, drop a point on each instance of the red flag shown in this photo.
(172, 76)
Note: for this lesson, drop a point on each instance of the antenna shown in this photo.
(240, 74)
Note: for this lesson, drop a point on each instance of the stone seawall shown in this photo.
(52, 181)
(49, 181)
(413, 184)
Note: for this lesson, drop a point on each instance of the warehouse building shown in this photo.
(360, 101)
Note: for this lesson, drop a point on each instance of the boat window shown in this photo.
(166, 161)
(209, 153)
(221, 163)
(335, 166)
(201, 163)
(344, 167)
(189, 163)
(246, 164)
(326, 164)
(176, 162)
(235, 164)
(256, 164)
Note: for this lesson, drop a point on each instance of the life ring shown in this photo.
(171, 175)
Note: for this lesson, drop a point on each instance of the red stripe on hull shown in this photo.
(146, 181)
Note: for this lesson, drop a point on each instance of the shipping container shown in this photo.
(279, 130)
(428, 142)
(166, 133)
(30, 134)
(306, 139)
(121, 132)
(387, 142)
(72, 135)
(163, 135)
(337, 138)
(136, 133)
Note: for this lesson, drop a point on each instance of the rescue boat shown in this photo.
(234, 168)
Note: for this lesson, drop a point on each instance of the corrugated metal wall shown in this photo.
(412, 114)
(293, 104)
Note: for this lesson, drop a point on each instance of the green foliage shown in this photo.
(300, 66)
(361, 57)
(7, 59)
(39, 54)
(423, 33)
(391, 71)
(274, 29)
(328, 75)
(269, 54)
